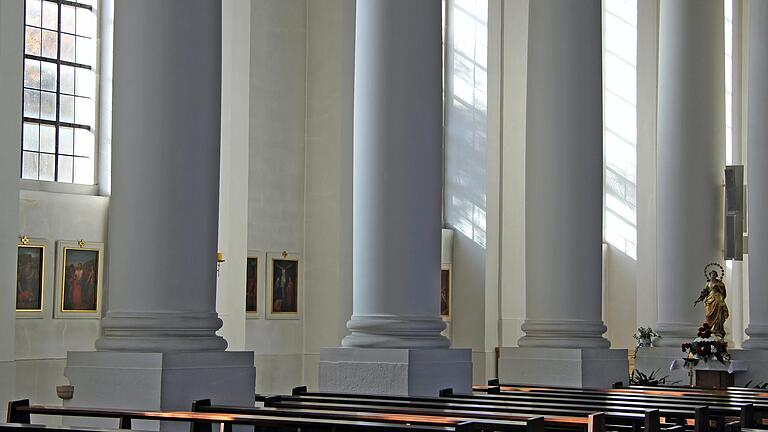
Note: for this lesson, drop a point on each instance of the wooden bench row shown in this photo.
(490, 408)
(20, 412)
(752, 409)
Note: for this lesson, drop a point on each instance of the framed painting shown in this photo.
(254, 271)
(283, 286)
(30, 277)
(446, 291)
(79, 270)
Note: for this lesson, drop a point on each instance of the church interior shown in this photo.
(370, 215)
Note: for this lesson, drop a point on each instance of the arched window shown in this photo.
(59, 114)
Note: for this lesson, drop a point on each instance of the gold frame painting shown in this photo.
(254, 280)
(30, 268)
(287, 267)
(75, 274)
(446, 291)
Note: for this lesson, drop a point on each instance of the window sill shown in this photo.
(54, 187)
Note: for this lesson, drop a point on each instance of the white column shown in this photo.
(563, 342)
(159, 344)
(11, 61)
(395, 345)
(691, 158)
(397, 176)
(163, 214)
(757, 177)
(564, 157)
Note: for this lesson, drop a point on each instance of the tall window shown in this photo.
(620, 124)
(728, 5)
(59, 91)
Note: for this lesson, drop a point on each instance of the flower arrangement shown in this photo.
(705, 347)
(644, 336)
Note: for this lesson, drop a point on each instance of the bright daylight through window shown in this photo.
(59, 91)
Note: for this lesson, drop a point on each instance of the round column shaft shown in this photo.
(757, 177)
(397, 176)
(564, 157)
(691, 158)
(163, 217)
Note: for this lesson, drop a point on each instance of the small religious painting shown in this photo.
(30, 273)
(283, 286)
(252, 274)
(445, 291)
(79, 274)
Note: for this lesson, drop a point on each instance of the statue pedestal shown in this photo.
(711, 374)
(713, 378)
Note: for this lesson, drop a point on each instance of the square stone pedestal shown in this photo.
(413, 372)
(158, 381)
(755, 362)
(569, 367)
(7, 386)
(659, 359)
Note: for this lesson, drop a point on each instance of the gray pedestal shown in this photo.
(158, 381)
(658, 359)
(414, 372)
(7, 385)
(571, 367)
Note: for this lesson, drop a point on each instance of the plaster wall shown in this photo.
(470, 170)
(276, 173)
(50, 212)
(514, 79)
(42, 343)
(233, 183)
(328, 212)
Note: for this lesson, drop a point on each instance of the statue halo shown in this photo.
(706, 272)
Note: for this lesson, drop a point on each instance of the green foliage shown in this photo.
(759, 385)
(645, 333)
(638, 378)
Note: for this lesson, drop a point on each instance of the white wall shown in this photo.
(233, 209)
(42, 343)
(515, 42)
(276, 172)
(466, 177)
(328, 212)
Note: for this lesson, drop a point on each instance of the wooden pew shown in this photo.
(518, 424)
(20, 412)
(718, 410)
(727, 390)
(17, 427)
(383, 403)
(749, 413)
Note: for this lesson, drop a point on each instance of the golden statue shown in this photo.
(713, 296)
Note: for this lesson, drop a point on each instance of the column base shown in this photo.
(412, 372)
(563, 334)
(155, 332)
(158, 381)
(570, 367)
(758, 337)
(395, 331)
(674, 334)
